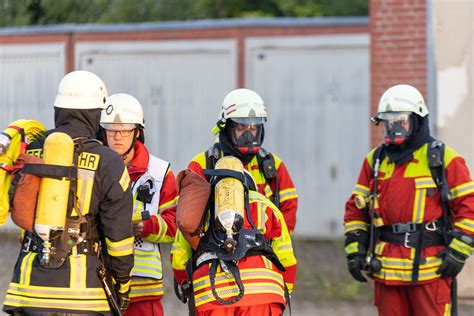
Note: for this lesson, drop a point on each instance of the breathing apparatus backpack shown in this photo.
(59, 224)
(13, 142)
(266, 163)
(225, 241)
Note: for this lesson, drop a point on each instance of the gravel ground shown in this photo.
(323, 286)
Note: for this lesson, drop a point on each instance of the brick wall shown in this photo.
(398, 49)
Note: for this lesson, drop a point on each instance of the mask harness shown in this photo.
(246, 143)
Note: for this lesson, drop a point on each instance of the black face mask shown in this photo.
(397, 134)
(247, 142)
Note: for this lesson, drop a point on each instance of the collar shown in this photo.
(139, 164)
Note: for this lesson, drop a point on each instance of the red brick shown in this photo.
(398, 48)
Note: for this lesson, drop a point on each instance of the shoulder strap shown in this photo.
(212, 155)
(266, 163)
(378, 153)
(436, 164)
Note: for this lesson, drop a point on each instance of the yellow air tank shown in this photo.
(229, 200)
(50, 217)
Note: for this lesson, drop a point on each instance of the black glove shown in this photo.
(355, 265)
(123, 299)
(455, 255)
(356, 249)
(452, 263)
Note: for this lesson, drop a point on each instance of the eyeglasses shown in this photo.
(123, 133)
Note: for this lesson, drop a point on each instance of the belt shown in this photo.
(407, 234)
(35, 244)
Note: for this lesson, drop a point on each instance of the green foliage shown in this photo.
(31, 12)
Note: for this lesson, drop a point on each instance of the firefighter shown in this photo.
(154, 200)
(57, 276)
(244, 262)
(410, 220)
(240, 129)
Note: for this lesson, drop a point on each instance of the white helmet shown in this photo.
(122, 109)
(396, 110)
(81, 90)
(243, 106)
(402, 98)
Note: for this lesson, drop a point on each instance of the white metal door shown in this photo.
(316, 89)
(180, 84)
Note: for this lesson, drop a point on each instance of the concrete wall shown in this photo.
(453, 35)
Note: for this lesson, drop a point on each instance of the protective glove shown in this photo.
(356, 249)
(455, 255)
(123, 299)
(452, 263)
(122, 291)
(355, 266)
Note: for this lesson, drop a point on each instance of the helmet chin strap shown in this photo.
(125, 154)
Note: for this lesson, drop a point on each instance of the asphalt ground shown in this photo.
(323, 285)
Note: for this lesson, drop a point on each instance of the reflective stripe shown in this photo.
(288, 194)
(120, 248)
(78, 271)
(124, 180)
(286, 246)
(168, 205)
(378, 222)
(85, 184)
(254, 196)
(148, 268)
(462, 190)
(56, 292)
(466, 224)
(26, 266)
(137, 204)
(268, 263)
(424, 183)
(419, 206)
(154, 289)
(163, 227)
(352, 248)
(361, 190)
(268, 191)
(354, 225)
(447, 310)
(125, 286)
(380, 247)
(87, 305)
(262, 217)
(461, 247)
(406, 275)
(245, 274)
(229, 291)
(407, 264)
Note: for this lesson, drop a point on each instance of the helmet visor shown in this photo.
(118, 126)
(249, 120)
(398, 126)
